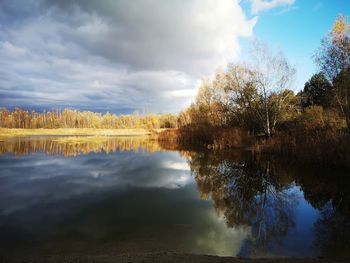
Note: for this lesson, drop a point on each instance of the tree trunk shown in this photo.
(268, 129)
(347, 120)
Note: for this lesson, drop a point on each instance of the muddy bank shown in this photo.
(159, 257)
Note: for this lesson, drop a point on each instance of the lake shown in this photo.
(111, 195)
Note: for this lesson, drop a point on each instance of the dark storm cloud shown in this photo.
(137, 55)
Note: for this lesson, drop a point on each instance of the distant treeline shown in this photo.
(68, 118)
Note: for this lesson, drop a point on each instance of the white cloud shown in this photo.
(223, 241)
(177, 165)
(115, 55)
(287, 10)
(264, 5)
(11, 49)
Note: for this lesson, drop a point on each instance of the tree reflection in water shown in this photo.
(76, 145)
(259, 192)
(333, 233)
(328, 190)
(247, 192)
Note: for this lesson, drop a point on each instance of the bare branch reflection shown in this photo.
(247, 192)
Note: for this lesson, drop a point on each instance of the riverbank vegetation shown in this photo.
(253, 104)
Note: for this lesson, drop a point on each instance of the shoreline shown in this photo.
(169, 257)
(14, 132)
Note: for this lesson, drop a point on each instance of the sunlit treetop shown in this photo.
(340, 24)
(341, 28)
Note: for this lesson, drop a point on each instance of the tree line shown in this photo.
(258, 95)
(253, 104)
(69, 118)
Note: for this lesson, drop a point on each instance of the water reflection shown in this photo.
(328, 191)
(332, 233)
(248, 194)
(128, 194)
(106, 203)
(76, 145)
(264, 194)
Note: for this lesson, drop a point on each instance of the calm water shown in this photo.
(129, 194)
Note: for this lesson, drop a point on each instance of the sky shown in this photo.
(148, 56)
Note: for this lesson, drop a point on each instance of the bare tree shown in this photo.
(273, 74)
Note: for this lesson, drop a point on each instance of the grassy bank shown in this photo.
(5, 132)
(320, 147)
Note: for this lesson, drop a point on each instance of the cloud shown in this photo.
(86, 173)
(287, 10)
(111, 55)
(97, 196)
(265, 5)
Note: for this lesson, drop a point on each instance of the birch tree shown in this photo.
(272, 75)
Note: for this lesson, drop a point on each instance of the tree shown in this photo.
(284, 107)
(333, 58)
(257, 93)
(317, 92)
(334, 54)
(243, 99)
(272, 75)
(342, 94)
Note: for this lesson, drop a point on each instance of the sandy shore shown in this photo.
(161, 257)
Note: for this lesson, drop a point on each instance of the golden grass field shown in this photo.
(4, 132)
